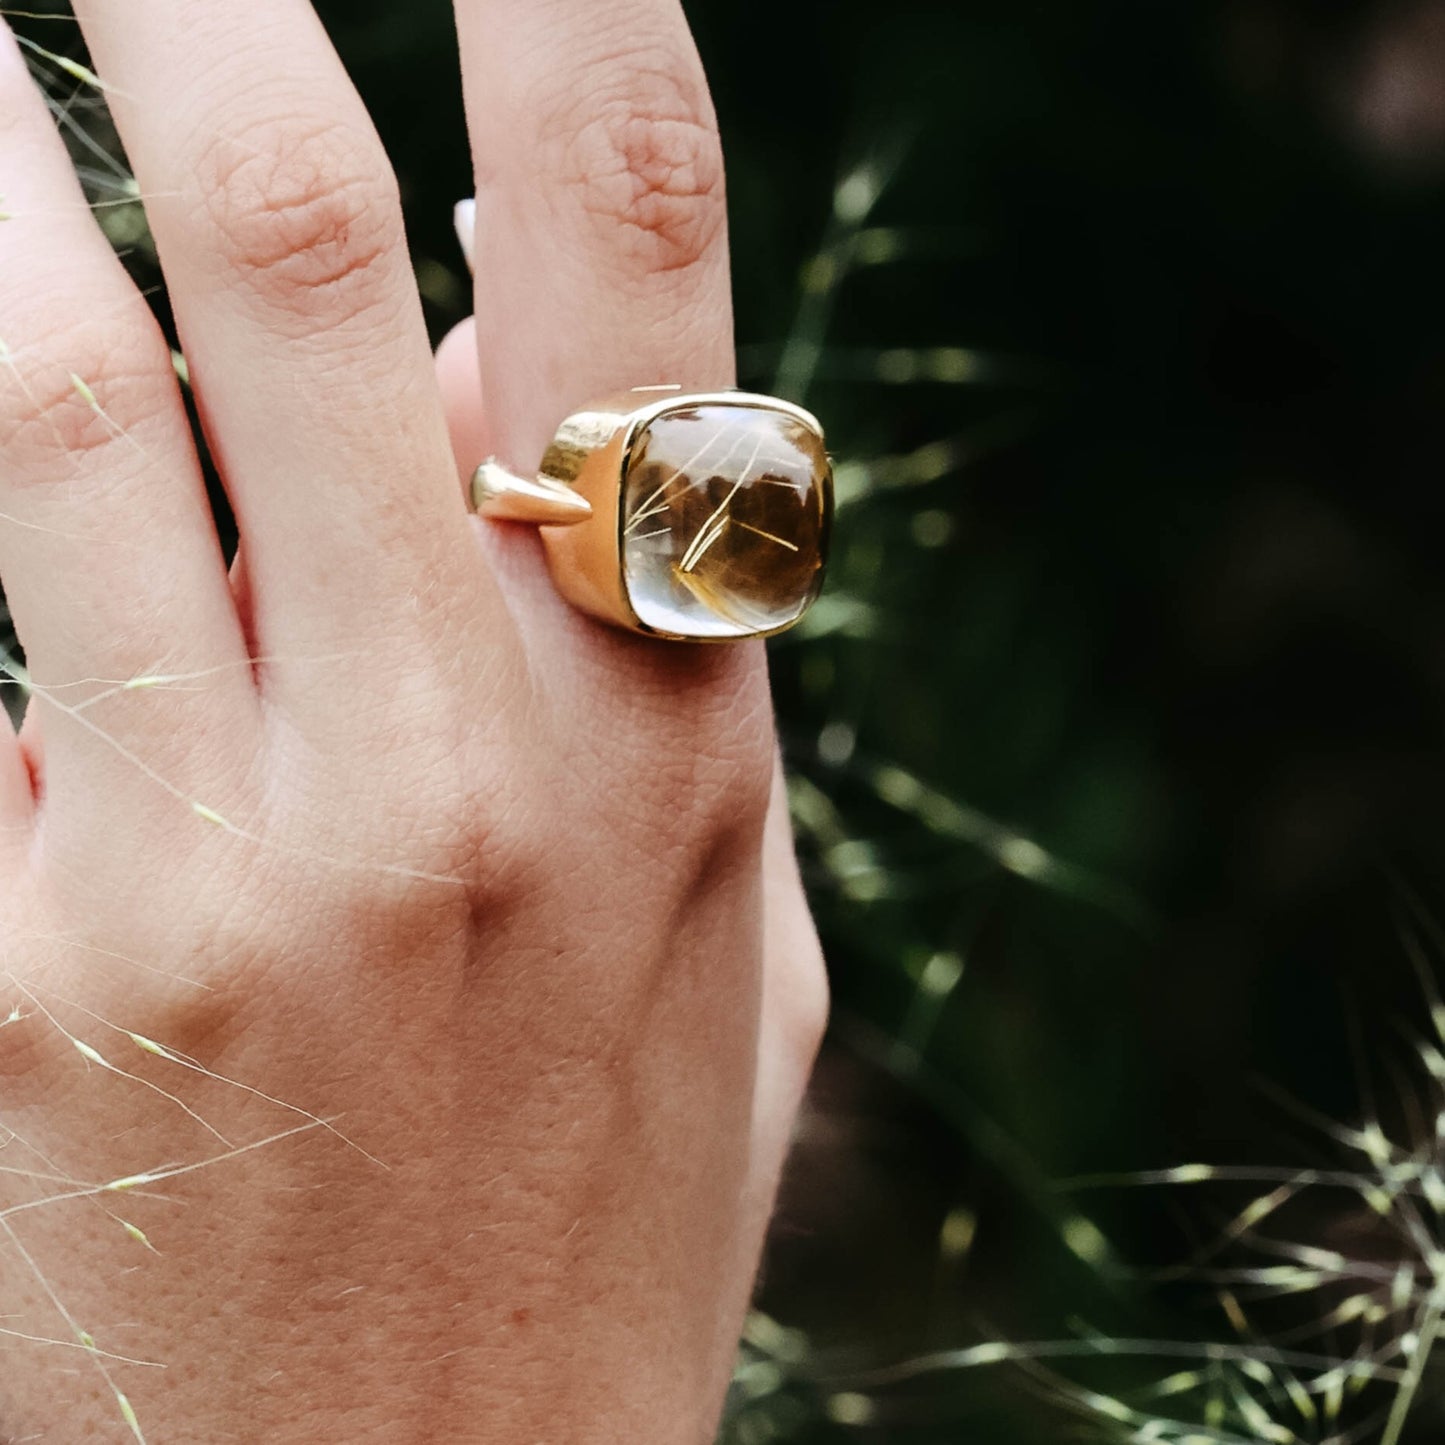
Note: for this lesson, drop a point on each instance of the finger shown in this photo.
(601, 263)
(108, 551)
(600, 249)
(459, 376)
(279, 227)
(795, 996)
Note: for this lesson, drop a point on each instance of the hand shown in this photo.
(428, 962)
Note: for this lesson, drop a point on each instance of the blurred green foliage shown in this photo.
(1116, 738)
(1136, 364)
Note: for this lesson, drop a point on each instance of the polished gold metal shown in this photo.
(505, 496)
(727, 560)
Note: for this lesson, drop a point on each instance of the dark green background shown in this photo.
(1136, 369)
(1166, 601)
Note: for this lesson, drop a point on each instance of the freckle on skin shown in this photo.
(521, 1316)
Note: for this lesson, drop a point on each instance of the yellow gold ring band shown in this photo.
(698, 517)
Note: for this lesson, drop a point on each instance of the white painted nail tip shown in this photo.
(465, 219)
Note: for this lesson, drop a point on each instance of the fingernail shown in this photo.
(465, 218)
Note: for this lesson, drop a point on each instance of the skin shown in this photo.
(504, 897)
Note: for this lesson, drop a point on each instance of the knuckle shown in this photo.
(746, 752)
(644, 165)
(697, 738)
(82, 388)
(719, 762)
(304, 212)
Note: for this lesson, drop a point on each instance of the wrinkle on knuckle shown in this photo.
(82, 389)
(643, 166)
(306, 213)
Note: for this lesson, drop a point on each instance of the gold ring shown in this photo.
(699, 517)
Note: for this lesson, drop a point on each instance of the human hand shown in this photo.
(430, 960)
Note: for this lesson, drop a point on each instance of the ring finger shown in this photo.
(108, 552)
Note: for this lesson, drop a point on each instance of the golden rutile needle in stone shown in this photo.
(703, 517)
(724, 520)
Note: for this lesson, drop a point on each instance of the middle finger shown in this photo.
(279, 227)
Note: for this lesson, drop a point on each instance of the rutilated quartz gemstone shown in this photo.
(725, 515)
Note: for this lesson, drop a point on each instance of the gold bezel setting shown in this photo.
(577, 499)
